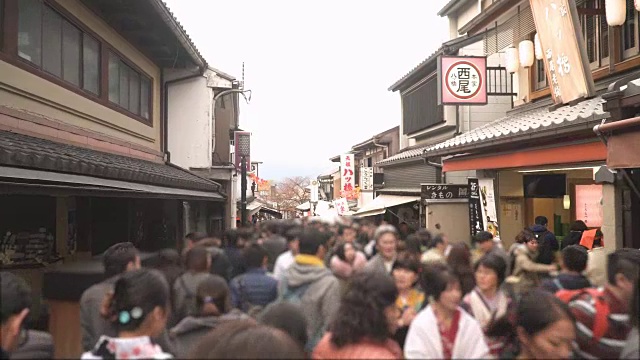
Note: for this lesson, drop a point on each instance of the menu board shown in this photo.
(589, 204)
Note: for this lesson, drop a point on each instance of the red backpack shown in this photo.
(601, 317)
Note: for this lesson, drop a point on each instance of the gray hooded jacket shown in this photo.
(190, 330)
(321, 300)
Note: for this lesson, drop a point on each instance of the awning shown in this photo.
(53, 181)
(380, 204)
(253, 207)
(569, 154)
(623, 143)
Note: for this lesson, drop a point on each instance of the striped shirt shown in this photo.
(610, 345)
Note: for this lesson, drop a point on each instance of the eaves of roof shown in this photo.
(452, 6)
(487, 15)
(528, 125)
(179, 31)
(222, 74)
(425, 63)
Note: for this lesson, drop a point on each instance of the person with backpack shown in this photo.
(253, 290)
(548, 244)
(198, 263)
(603, 314)
(574, 262)
(309, 283)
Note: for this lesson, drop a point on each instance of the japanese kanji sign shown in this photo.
(475, 211)
(588, 205)
(347, 172)
(462, 80)
(341, 205)
(366, 178)
(565, 56)
(444, 191)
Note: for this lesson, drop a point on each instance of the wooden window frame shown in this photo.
(9, 54)
(141, 75)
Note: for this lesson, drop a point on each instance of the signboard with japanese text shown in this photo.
(565, 55)
(588, 204)
(366, 178)
(444, 192)
(341, 205)
(347, 173)
(489, 211)
(462, 80)
(475, 213)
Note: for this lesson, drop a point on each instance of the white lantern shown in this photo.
(538, 47)
(616, 12)
(636, 3)
(525, 50)
(513, 62)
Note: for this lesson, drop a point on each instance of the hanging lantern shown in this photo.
(538, 47)
(636, 3)
(525, 52)
(616, 12)
(513, 62)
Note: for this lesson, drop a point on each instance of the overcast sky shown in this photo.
(319, 70)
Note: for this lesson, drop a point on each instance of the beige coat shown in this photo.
(527, 270)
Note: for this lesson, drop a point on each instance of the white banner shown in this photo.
(366, 178)
(341, 205)
(488, 201)
(347, 172)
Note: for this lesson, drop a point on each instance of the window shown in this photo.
(55, 45)
(629, 34)
(540, 75)
(128, 88)
(595, 32)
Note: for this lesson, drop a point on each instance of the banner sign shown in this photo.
(347, 173)
(475, 213)
(366, 178)
(444, 191)
(589, 204)
(489, 212)
(565, 56)
(462, 80)
(341, 205)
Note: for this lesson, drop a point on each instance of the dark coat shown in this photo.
(565, 281)
(39, 345)
(548, 244)
(190, 330)
(254, 287)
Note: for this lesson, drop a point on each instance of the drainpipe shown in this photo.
(165, 109)
(598, 130)
(434, 164)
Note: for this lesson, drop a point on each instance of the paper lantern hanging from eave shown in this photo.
(526, 53)
(538, 47)
(616, 12)
(513, 61)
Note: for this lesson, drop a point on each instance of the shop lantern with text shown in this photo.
(565, 56)
(242, 141)
(462, 80)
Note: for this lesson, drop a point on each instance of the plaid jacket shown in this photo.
(610, 345)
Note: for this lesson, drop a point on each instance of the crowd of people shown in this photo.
(308, 289)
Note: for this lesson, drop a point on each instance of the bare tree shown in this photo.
(291, 192)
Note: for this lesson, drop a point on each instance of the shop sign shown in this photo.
(366, 178)
(489, 212)
(347, 173)
(341, 205)
(444, 192)
(475, 216)
(462, 80)
(589, 204)
(565, 56)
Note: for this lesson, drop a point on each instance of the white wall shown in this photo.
(365, 198)
(190, 123)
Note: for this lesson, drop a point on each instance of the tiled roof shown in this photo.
(528, 122)
(30, 152)
(424, 62)
(180, 31)
(405, 155)
(523, 123)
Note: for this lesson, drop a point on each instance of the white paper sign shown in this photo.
(341, 205)
(366, 178)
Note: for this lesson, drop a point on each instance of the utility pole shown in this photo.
(243, 192)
